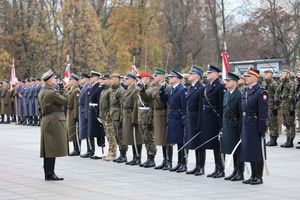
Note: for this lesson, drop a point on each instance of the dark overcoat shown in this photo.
(212, 114)
(95, 128)
(83, 103)
(176, 113)
(231, 121)
(254, 123)
(193, 98)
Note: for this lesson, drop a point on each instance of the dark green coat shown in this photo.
(54, 141)
(231, 121)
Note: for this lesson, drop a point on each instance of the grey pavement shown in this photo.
(21, 175)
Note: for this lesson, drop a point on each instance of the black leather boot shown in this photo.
(2, 119)
(234, 168)
(179, 158)
(162, 165)
(76, 151)
(287, 142)
(219, 168)
(134, 156)
(253, 174)
(239, 176)
(150, 162)
(90, 152)
(138, 156)
(259, 172)
(7, 119)
(193, 171)
(202, 155)
(272, 142)
(183, 167)
(168, 165)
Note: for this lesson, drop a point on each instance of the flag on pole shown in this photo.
(13, 77)
(134, 69)
(225, 64)
(67, 74)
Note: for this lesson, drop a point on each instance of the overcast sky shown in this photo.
(235, 6)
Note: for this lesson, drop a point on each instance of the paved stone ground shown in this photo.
(21, 175)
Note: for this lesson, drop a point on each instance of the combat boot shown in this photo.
(142, 164)
(286, 142)
(162, 165)
(150, 162)
(109, 157)
(122, 158)
(272, 142)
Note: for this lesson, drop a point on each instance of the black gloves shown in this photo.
(150, 127)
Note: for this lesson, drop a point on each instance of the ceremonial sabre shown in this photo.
(189, 141)
(264, 156)
(231, 155)
(134, 141)
(77, 136)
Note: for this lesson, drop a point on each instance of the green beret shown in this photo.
(158, 71)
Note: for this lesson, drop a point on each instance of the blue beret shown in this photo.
(131, 75)
(196, 71)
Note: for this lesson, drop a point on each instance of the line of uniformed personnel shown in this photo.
(161, 109)
(154, 111)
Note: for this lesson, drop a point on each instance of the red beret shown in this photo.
(145, 74)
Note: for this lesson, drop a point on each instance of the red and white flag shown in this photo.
(67, 74)
(134, 69)
(13, 77)
(225, 64)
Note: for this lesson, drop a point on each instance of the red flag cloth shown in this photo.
(67, 74)
(225, 64)
(13, 77)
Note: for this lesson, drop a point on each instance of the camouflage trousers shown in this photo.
(273, 123)
(289, 122)
(148, 137)
(118, 135)
(112, 142)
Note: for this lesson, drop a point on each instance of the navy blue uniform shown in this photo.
(83, 103)
(254, 123)
(176, 113)
(212, 114)
(95, 129)
(194, 98)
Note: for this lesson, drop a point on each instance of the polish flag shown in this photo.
(225, 64)
(13, 77)
(67, 74)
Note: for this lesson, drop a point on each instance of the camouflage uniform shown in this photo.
(115, 113)
(297, 94)
(270, 86)
(145, 121)
(107, 122)
(284, 97)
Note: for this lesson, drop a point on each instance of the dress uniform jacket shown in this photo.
(129, 117)
(152, 96)
(175, 97)
(231, 121)
(37, 90)
(83, 102)
(95, 129)
(254, 123)
(54, 142)
(72, 112)
(193, 98)
(212, 114)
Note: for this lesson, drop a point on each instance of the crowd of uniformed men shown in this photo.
(194, 113)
